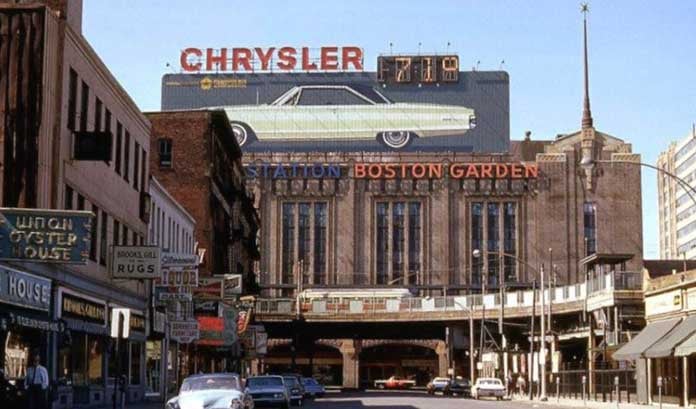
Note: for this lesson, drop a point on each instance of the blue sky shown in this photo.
(642, 54)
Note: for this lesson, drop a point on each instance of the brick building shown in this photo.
(59, 88)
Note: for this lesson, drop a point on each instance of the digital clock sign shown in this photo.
(423, 69)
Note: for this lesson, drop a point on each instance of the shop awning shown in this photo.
(645, 339)
(687, 347)
(665, 346)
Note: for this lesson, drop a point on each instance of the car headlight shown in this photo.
(173, 405)
(236, 404)
(278, 395)
(295, 391)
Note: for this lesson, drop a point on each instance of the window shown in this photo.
(304, 238)
(165, 152)
(476, 240)
(102, 238)
(98, 107)
(510, 240)
(497, 223)
(320, 219)
(68, 198)
(93, 243)
(72, 99)
(80, 202)
(84, 106)
(288, 240)
(119, 146)
(117, 231)
(398, 242)
(107, 121)
(330, 96)
(143, 170)
(124, 236)
(126, 157)
(136, 165)
(590, 223)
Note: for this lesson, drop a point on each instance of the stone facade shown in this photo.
(548, 209)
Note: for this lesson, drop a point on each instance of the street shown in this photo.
(407, 400)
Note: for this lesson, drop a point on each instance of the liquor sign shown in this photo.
(178, 270)
(140, 262)
(49, 236)
(331, 58)
(184, 332)
(24, 289)
(231, 286)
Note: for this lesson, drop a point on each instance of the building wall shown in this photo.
(171, 226)
(549, 214)
(677, 209)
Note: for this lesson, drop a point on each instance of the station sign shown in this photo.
(135, 262)
(25, 290)
(284, 59)
(184, 332)
(48, 236)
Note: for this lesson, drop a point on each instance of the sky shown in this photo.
(642, 55)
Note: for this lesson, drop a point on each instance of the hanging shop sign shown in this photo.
(175, 296)
(231, 286)
(184, 332)
(178, 270)
(135, 262)
(49, 236)
(203, 307)
(25, 290)
(208, 289)
(82, 309)
(330, 58)
(137, 323)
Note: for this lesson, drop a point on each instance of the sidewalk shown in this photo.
(139, 405)
(590, 404)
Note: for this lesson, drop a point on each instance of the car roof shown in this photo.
(209, 375)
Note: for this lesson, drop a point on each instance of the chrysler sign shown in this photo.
(284, 58)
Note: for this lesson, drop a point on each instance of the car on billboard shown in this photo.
(310, 112)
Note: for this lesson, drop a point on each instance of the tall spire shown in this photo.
(586, 112)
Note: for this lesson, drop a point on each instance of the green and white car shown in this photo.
(342, 112)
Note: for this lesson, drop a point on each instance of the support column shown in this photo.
(685, 378)
(442, 359)
(590, 358)
(350, 349)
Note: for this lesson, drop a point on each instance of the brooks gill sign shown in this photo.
(330, 58)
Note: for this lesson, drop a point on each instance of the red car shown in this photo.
(394, 382)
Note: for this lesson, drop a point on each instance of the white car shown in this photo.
(488, 387)
(342, 112)
(211, 391)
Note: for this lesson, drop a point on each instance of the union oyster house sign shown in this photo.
(41, 235)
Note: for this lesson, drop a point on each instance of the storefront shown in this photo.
(25, 325)
(129, 363)
(82, 354)
(665, 350)
(156, 351)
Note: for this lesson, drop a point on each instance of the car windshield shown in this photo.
(309, 381)
(200, 383)
(490, 382)
(264, 381)
(440, 379)
(290, 380)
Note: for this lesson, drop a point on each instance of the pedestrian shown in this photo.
(36, 383)
(521, 385)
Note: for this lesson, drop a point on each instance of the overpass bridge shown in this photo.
(607, 290)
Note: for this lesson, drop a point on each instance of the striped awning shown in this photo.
(688, 346)
(652, 333)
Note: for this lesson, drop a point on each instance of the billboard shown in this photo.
(409, 105)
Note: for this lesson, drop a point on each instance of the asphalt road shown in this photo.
(408, 400)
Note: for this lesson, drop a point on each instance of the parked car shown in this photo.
(313, 388)
(310, 112)
(395, 382)
(460, 387)
(221, 390)
(488, 387)
(268, 391)
(295, 389)
(439, 385)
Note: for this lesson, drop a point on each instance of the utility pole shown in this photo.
(531, 343)
(542, 345)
